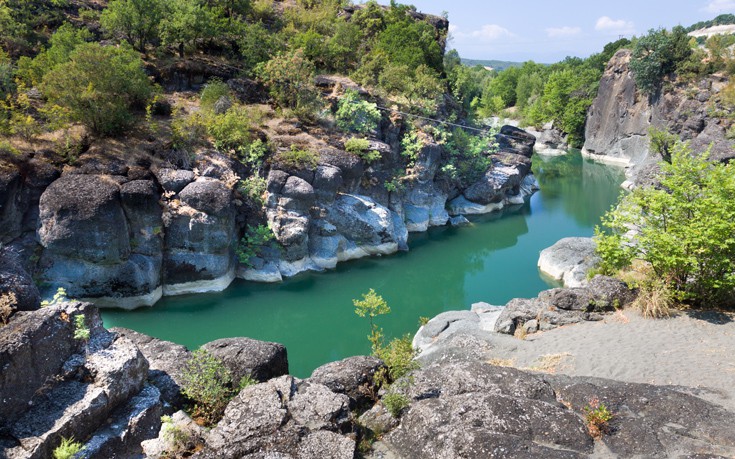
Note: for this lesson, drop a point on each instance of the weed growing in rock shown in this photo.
(252, 244)
(7, 301)
(247, 381)
(598, 417)
(361, 147)
(207, 382)
(81, 331)
(297, 158)
(395, 403)
(177, 437)
(253, 188)
(67, 449)
(59, 297)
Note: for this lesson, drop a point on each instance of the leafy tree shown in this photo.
(290, 80)
(411, 43)
(188, 21)
(357, 115)
(684, 229)
(658, 54)
(343, 48)
(136, 20)
(257, 44)
(371, 306)
(61, 45)
(99, 86)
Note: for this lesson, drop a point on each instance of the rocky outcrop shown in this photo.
(283, 418)
(58, 383)
(620, 117)
(245, 357)
(479, 410)
(353, 376)
(569, 260)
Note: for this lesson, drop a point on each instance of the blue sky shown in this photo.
(547, 32)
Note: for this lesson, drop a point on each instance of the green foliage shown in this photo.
(99, 86)
(67, 449)
(187, 21)
(61, 45)
(657, 55)
(684, 227)
(361, 147)
(175, 435)
(230, 131)
(59, 297)
(212, 92)
(468, 155)
(398, 357)
(208, 383)
(722, 19)
(257, 44)
(252, 244)
(137, 21)
(357, 115)
(598, 417)
(395, 403)
(253, 188)
(246, 381)
(298, 158)
(662, 142)
(410, 43)
(81, 331)
(411, 145)
(289, 78)
(371, 306)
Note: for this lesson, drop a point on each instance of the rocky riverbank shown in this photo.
(123, 231)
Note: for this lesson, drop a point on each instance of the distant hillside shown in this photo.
(723, 19)
(495, 65)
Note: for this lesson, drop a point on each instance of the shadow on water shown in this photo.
(493, 260)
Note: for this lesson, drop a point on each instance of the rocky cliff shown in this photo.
(620, 117)
(124, 228)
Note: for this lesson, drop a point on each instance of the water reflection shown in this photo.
(493, 260)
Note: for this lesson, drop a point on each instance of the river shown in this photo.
(493, 260)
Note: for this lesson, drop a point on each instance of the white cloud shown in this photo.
(720, 6)
(488, 32)
(562, 32)
(615, 26)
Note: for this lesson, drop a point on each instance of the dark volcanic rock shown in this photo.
(16, 280)
(259, 360)
(165, 363)
(209, 196)
(282, 418)
(515, 140)
(174, 179)
(352, 376)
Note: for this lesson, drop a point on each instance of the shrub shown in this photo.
(289, 78)
(138, 21)
(683, 228)
(298, 158)
(395, 403)
(252, 244)
(598, 417)
(662, 142)
(655, 299)
(253, 188)
(99, 86)
(213, 90)
(207, 382)
(398, 357)
(361, 147)
(357, 115)
(81, 331)
(67, 449)
(230, 131)
(658, 54)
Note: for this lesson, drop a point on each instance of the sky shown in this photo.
(547, 32)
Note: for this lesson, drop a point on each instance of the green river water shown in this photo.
(494, 260)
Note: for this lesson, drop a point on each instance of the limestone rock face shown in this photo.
(569, 260)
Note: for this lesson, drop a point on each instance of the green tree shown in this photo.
(371, 306)
(258, 44)
(290, 80)
(357, 115)
(658, 54)
(135, 20)
(188, 21)
(684, 229)
(99, 86)
(61, 45)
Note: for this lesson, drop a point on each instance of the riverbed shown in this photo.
(493, 260)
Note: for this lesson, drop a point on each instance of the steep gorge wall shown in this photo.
(620, 117)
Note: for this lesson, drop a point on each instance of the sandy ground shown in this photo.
(694, 349)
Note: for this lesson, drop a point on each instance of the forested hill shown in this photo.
(492, 64)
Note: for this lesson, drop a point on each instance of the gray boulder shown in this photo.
(165, 363)
(515, 140)
(352, 376)
(259, 360)
(569, 260)
(173, 179)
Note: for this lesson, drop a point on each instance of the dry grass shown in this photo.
(655, 299)
(501, 362)
(550, 363)
(521, 332)
(7, 303)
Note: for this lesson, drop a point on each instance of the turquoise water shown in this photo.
(493, 260)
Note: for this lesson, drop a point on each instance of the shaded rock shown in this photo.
(515, 140)
(517, 312)
(16, 280)
(173, 179)
(165, 363)
(569, 260)
(378, 419)
(609, 293)
(222, 104)
(492, 187)
(259, 360)
(209, 196)
(352, 376)
(459, 220)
